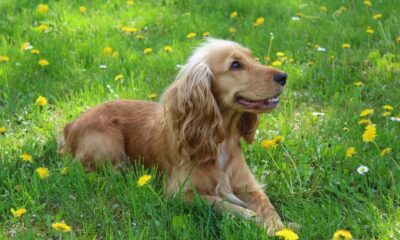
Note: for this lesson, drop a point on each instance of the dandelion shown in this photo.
(346, 45)
(139, 37)
(259, 21)
(43, 172)
(287, 234)
(385, 151)
(398, 39)
(276, 63)
(370, 30)
(129, 2)
(143, 180)
(3, 130)
(234, 14)
(43, 8)
(102, 66)
(388, 107)
(41, 101)
(167, 49)
(365, 121)
(147, 50)
(386, 114)
(232, 30)
(43, 27)
(346, 129)
(82, 9)
(362, 170)
(377, 16)
(366, 112)
(367, 3)
(26, 157)
(64, 171)
(191, 35)
(279, 139)
(129, 30)
(280, 54)
(395, 119)
(107, 50)
(323, 9)
(115, 54)
(61, 227)
(358, 84)
(17, 188)
(342, 234)
(267, 144)
(369, 134)
(26, 46)
(300, 14)
(119, 77)
(18, 213)
(35, 51)
(152, 95)
(4, 58)
(43, 62)
(350, 152)
(206, 34)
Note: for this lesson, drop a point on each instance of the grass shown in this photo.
(308, 177)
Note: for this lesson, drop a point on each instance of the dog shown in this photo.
(193, 134)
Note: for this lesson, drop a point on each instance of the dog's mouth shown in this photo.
(261, 105)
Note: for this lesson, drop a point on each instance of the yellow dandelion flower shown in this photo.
(167, 49)
(365, 121)
(43, 8)
(35, 51)
(350, 152)
(276, 63)
(18, 213)
(367, 3)
(279, 139)
(115, 54)
(64, 171)
(139, 37)
(259, 21)
(300, 14)
(386, 114)
(43, 27)
(152, 95)
(129, 2)
(358, 84)
(234, 14)
(3, 130)
(82, 9)
(43, 172)
(129, 30)
(232, 30)
(346, 45)
(287, 234)
(369, 134)
(388, 107)
(119, 77)
(143, 180)
(41, 101)
(107, 50)
(369, 30)
(191, 35)
(385, 151)
(342, 234)
(147, 50)
(377, 16)
(43, 62)
(267, 144)
(206, 34)
(26, 46)
(280, 54)
(61, 227)
(366, 112)
(323, 9)
(4, 58)
(26, 157)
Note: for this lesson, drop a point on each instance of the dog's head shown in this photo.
(219, 75)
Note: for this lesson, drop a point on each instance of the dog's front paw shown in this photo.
(273, 225)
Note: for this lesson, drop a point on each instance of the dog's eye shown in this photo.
(235, 65)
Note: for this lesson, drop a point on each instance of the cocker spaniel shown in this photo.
(193, 133)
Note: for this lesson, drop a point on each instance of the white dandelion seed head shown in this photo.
(321, 49)
(295, 19)
(318, 114)
(362, 169)
(102, 66)
(395, 119)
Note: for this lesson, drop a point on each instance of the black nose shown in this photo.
(280, 78)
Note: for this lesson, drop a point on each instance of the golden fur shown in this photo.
(193, 134)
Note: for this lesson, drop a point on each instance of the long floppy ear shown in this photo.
(194, 114)
(248, 124)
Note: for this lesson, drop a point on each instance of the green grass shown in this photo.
(308, 177)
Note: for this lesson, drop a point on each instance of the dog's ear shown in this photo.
(248, 124)
(193, 113)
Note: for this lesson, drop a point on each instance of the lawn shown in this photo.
(340, 111)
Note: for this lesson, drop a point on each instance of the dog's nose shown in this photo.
(280, 78)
